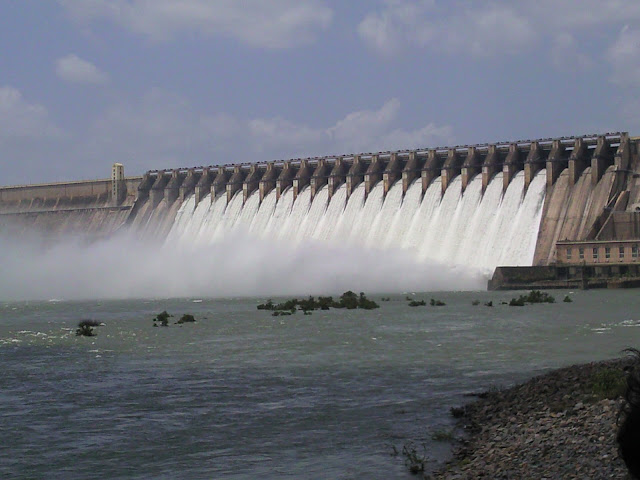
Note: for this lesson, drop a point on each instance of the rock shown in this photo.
(549, 427)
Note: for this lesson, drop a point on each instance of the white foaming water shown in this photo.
(280, 214)
(332, 215)
(470, 229)
(314, 216)
(384, 218)
(366, 216)
(350, 215)
(424, 216)
(403, 218)
(265, 213)
(410, 242)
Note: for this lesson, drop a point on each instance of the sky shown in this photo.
(161, 84)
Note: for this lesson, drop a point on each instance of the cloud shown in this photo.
(274, 24)
(359, 131)
(624, 57)
(482, 31)
(579, 14)
(21, 120)
(164, 130)
(400, 23)
(161, 129)
(73, 69)
(566, 56)
(490, 28)
(29, 140)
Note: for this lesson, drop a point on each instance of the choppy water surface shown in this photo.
(242, 394)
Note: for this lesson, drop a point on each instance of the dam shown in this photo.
(521, 203)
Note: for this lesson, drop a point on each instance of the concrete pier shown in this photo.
(285, 179)
(319, 178)
(393, 172)
(373, 174)
(556, 162)
(512, 165)
(251, 182)
(302, 178)
(337, 176)
(471, 166)
(578, 161)
(355, 176)
(144, 189)
(492, 165)
(157, 190)
(432, 168)
(623, 154)
(172, 189)
(219, 185)
(602, 158)
(189, 184)
(203, 187)
(451, 169)
(235, 182)
(268, 180)
(535, 161)
(411, 170)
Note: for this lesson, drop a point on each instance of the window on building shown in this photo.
(569, 253)
(621, 252)
(581, 253)
(607, 252)
(595, 253)
(634, 251)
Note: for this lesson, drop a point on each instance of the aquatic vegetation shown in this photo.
(475, 302)
(442, 436)
(365, 303)
(567, 299)
(84, 331)
(417, 303)
(85, 328)
(348, 300)
(534, 296)
(269, 305)
(186, 318)
(517, 302)
(163, 318)
(414, 461)
(608, 383)
(90, 323)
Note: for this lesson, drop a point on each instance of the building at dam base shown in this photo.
(534, 202)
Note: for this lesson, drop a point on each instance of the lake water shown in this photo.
(243, 395)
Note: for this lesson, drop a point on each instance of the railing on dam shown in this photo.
(598, 151)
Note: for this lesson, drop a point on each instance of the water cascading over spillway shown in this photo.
(478, 231)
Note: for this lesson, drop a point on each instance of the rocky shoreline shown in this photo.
(559, 425)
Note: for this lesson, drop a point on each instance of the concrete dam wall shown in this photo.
(478, 206)
(88, 208)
